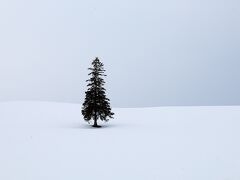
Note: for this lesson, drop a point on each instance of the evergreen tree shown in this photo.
(96, 105)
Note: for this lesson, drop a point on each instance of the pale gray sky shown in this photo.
(172, 52)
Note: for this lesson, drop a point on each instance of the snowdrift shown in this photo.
(46, 140)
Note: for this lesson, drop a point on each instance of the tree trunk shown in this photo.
(95, 122)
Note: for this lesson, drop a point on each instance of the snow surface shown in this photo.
(48, 141)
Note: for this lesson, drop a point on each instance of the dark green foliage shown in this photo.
(96, 105)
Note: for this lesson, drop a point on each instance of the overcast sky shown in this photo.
(172, 52)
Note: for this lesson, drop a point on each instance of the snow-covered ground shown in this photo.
(50, 141)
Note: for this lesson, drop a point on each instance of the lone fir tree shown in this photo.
(96, 105)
